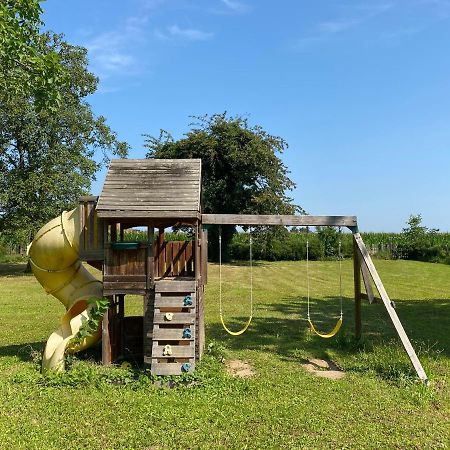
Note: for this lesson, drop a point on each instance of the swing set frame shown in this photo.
(363, 267)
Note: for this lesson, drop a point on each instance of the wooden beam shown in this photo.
(106, 340)
(264, 219)
(357, 288)
(366, 279)
(390, 308)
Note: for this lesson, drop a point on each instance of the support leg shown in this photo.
(106, 341)
(357, 285)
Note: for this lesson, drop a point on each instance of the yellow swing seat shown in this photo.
(332, 333)
(236, 333)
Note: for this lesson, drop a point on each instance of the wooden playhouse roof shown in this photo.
(151, 188)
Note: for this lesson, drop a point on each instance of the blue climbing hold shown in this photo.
(185, 367)
(187, 333)
(187, 300)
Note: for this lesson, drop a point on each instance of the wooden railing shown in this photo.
(174, 258)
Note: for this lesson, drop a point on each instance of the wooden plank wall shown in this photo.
(125, 271)
(174, 258)
(91, 231)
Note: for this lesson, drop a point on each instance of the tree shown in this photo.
(48, 156)
(241, 172)
(415, 242)
(25, 69)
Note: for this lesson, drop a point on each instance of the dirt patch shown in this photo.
(239, 368)
(324, 368)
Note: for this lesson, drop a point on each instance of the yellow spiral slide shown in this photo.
(54, 257)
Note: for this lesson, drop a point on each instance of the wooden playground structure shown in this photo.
(170, 276)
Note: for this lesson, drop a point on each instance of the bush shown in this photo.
(415, 242)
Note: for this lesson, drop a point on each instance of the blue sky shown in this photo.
(359, 89)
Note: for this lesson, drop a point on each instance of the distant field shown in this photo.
(378, 404)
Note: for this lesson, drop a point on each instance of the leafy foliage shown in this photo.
(415, 242)
(90, 326)
(241, 172)
(26, 69)
(47, 155)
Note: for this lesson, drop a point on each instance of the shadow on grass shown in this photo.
(239, 263)
(13, 270)
(25, 352)
(287, 331)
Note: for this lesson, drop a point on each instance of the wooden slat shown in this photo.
(169, 368)
(177, 215)
(92, 255)
(178, 318)
(172, 302)
(263, 219)
(125, 196)
(175, 286)
(168, 263)
(178, 351)
(188, 206)
(114, 291)
(161, 252)
(171, 334)
(124, 278)
(125, 285)
(115, 185)
(389, 307)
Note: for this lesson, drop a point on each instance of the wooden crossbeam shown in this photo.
(389, 307)
(276, 219)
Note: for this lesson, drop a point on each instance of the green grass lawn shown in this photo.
(378, 404)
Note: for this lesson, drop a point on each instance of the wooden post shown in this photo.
(204, 234)
(121, 231)
(150, 258)
(357, 286)
(113, 232)
(121, 312)
(161, 263)
(82, 226)
(106, 341)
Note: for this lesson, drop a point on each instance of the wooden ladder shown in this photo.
(174, 323)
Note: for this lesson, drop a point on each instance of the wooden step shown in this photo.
(172, 302)
(178, 318)
(178, 351)
(175, 286)
(171, 334)
(169, 368)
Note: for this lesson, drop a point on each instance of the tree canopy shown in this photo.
(49, 155)
(26, 69)
(241, 172)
